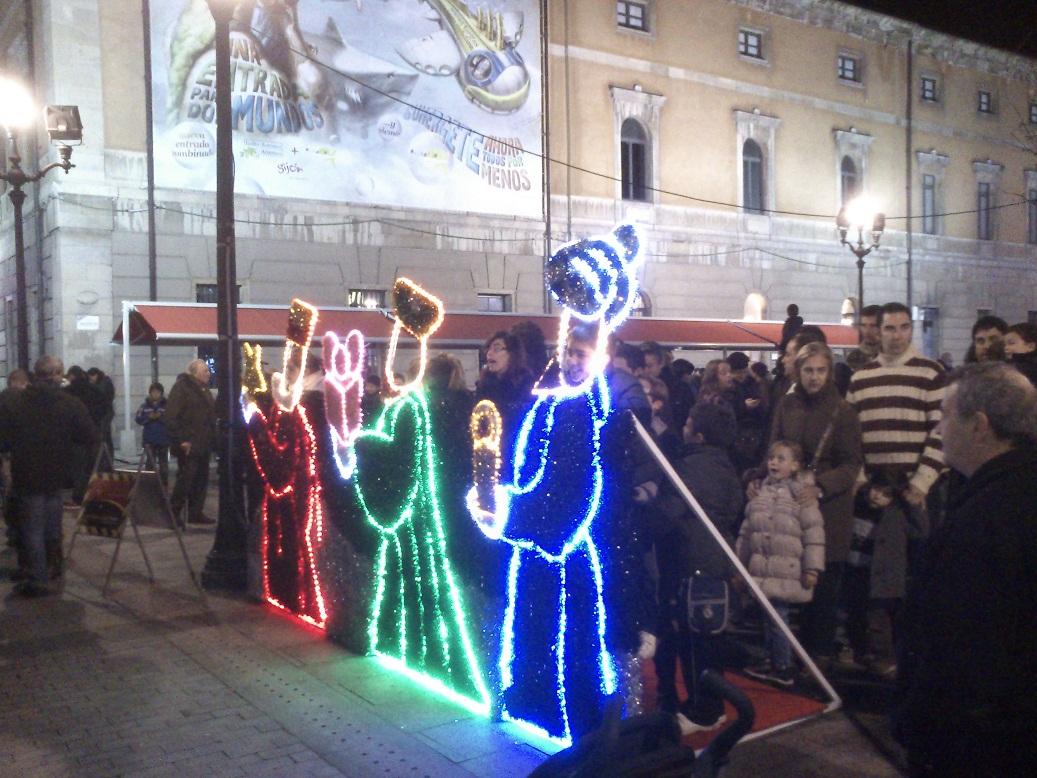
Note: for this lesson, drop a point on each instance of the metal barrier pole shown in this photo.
(761, 598)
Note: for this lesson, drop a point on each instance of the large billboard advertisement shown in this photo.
(411, 103)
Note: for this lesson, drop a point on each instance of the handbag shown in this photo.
(706, 601)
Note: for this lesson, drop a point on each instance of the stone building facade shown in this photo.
(731, 130)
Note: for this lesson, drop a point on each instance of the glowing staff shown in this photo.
(486, 499)
(418, 623)
(547, 511)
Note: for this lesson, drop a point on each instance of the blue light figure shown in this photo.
(554, 666)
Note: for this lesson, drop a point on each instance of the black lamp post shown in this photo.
(225, 566)
(64, 127)
(856, 216)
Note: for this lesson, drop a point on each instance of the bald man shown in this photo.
(191, 422)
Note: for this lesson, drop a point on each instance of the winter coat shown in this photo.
(1026, 364)
(780, 539)
(191, 415)
(893, 527)
(802, 418)
(624, 533)
(688, 547)
(967, 683)
(41, 427)
(155, 433)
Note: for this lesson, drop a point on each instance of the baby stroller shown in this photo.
(650, 744)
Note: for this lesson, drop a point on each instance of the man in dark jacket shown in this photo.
(41, 426)
(191, 423)
(967, 694)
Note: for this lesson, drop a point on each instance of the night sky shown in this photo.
(1007, 24)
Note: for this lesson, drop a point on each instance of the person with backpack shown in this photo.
(693, 569)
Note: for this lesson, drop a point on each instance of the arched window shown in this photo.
(755, 308)
(848, 183)
(848, 312)
(752, 177)
(634, 160)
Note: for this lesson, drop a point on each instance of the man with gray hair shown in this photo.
(191, 422)
(40, 427)
(967, 694)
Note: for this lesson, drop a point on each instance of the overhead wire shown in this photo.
(579, 168)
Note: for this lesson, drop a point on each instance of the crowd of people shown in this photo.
(882, 505)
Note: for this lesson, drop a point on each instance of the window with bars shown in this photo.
(930, 93)
(210, 293)
(1031, 211)
(848, 68)
(984, 102)
(634, 160)
(984, 204)
(750, 43)
(494, 303)
(633, 16)
(752, 177)
(365, 298)
(929, 204)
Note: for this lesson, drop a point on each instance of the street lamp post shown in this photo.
(225, 566)
(63, 126)
(860, 216)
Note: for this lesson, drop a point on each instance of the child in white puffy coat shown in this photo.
(782, 543)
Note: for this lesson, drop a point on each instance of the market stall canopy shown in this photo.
(188, 324)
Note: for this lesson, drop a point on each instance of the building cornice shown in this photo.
(891, 31)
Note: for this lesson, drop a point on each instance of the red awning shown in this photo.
(195, 323)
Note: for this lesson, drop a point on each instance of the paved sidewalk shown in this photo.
(157, 680)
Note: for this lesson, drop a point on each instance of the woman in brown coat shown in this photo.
(816, 417)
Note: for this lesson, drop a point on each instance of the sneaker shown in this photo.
(765, 671)
(201, 518)
(883, 669)
(691, 726)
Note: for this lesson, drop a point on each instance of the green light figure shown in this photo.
(418, 623)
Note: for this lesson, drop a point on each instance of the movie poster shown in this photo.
(410, 103)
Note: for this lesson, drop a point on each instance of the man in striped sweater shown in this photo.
(897, 396)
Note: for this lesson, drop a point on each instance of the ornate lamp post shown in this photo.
(63, 127)
(860, 215)
(225, 567)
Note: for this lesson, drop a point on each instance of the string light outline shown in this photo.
(343, 385)
(424, 452)
(314, 525)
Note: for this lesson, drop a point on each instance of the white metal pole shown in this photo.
(761, 598)
(127, 428)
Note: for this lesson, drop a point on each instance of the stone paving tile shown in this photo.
(161, 681)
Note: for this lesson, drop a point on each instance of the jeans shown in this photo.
(40, 530)
(778, 646)
(696, 653)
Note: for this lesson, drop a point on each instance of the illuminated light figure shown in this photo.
(284, 449)
(418, 624)
(555, 668)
